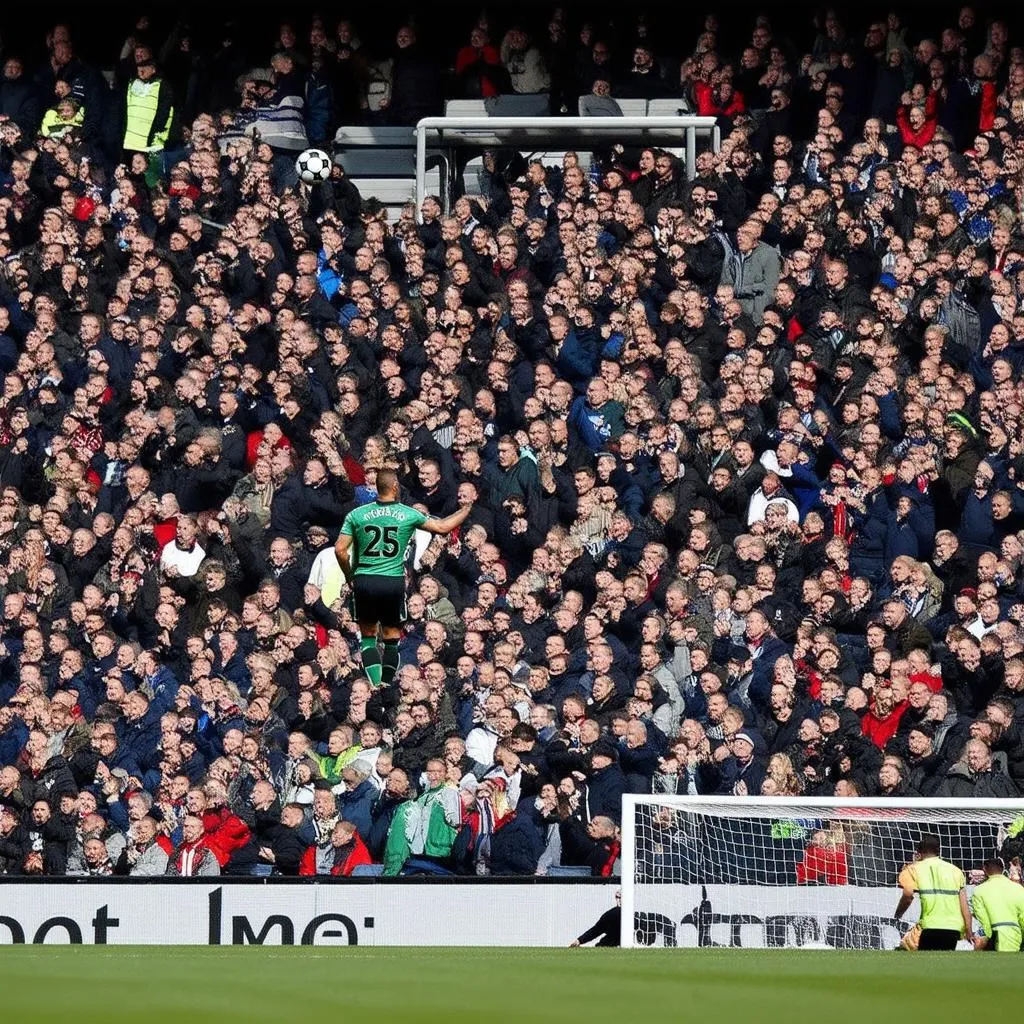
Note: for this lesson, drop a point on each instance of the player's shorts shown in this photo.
(379, 599)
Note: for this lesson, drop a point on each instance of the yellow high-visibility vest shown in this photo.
(998, 905)
(143, 99)
(54, 126)
(938, 885)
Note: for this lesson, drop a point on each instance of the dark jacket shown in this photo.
(604, 793)
(579, 848)
(412, 753)
(357, 806)
(288, 848)
(517, 846)
(294, 505)
(960, 783)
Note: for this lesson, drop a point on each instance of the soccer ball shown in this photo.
(313, 165)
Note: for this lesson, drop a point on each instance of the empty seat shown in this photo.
(388, 190)
(473, 176)
(375, 151)
(369, 135)
(669, 107)
(507, 105)
(518, 105)
(377, 163)
(632, 107)
(367, 870)
(465, 108)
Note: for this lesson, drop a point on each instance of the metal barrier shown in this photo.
(451, 132)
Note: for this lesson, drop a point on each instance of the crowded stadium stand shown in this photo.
(716, 331)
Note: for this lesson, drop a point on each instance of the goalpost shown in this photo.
(764, 872)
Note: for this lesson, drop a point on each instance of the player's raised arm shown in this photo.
(449, 523)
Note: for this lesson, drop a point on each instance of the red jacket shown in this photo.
(708, 106)
(164, 532)
(881, 730)
(934, 683)
(614, 849)
(252, 443)
(346, 858)
(822, 865)
(225, 833)
(987, 112)
(486, 55)
(926, 132)
(189, 856)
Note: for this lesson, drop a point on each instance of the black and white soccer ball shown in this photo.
(313, 165)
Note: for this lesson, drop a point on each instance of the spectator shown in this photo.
(415, 86)
(344, 854)
(479, 69)
(525, 62)
(752, 271)
(974, 775)
(193, 857)
(149, 107)
(595, 845)
(824, 860)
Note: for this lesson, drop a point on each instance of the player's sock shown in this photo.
(371, 659)
(390, 659)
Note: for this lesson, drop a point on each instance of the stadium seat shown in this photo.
(376, 152)
(599, 106)
(516, 105)
(367, 870)
(420, 866)
(363, 135)
(378, 163)
(632, 108)
(465, 108)
(472, 176)
(669, 107)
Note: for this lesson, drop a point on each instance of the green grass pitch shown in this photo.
(100, 985)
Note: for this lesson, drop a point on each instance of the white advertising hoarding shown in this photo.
(756, 917)
(406, 914)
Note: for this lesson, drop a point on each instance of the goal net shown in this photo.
(778, 872)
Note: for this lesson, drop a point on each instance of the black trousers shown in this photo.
(942, 940)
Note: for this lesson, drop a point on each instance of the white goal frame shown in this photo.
(773, 807)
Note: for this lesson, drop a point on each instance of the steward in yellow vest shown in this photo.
(998, 904)
(149, 108)
(941, 888)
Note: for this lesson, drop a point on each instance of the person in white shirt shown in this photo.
(184, 554)
(767, 494)
(325, 574)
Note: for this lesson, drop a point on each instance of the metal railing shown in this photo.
(496, 131)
